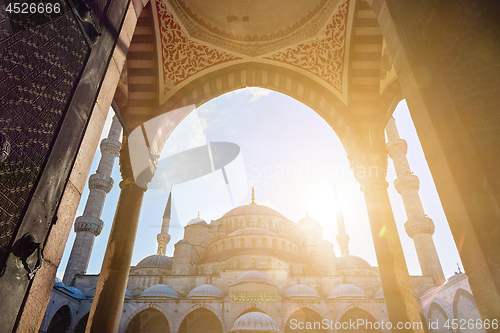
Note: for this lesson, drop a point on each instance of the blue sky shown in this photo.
(293, 158)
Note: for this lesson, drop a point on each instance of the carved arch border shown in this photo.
(351, 306)
(313, 306)
(254, 74)
(195, 307)
(135, 311)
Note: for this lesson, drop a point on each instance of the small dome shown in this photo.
(183, 241)
(197, 220)
(255, 321)
(252, 231)
(379, 294)
(253, 276)
(206, 290)
(252, 209)
(347, 290)
(76, 293)
(301, 291)
(155, 261)
(58, 282)
(351, 261)
(160, 290)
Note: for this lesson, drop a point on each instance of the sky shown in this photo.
(293, 158)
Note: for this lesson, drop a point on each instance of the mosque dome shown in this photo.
(206, 290)
(75, 292)
(255, 321)
(379, 294)
(58, 282)
(351, 261)
(252, 231)
(252, 209)
(347, 290)
(253, 276)
(301, 291)
(155, 261)
(197, 220)
(160, 290)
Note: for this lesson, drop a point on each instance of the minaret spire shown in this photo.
(419, 226)
(342, 237)
(89, 225)
(253, 196)
(163, 237)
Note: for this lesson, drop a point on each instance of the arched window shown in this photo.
(275, 244)
(296, 251)
(253, 242)
(242, 243)
(231, 244)
(283, 245)
(264, 243)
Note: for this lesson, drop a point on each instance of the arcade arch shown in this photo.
(201, 320)
(148, 321)
(305, 320)
(61, 321)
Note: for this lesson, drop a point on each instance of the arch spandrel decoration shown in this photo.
(320, 58)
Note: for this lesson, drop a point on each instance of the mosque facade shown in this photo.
(254, 270)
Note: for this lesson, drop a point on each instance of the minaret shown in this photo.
(88, 226)
(163, 237)
(419, 227)
(342, 237)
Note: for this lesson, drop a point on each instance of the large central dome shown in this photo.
(252, 209)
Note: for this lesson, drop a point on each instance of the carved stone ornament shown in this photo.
(323, 57)
(89, 224)
(110, 146)
(398, 147)
(406, 182)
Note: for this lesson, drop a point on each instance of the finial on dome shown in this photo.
(253, 196)
(459, 271)
(307, 213)
(198, 214)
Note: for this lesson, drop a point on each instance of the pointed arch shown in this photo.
(201, 320)
(61, 321)
(304, 314)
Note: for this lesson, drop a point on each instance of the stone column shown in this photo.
(110, 291)
(89, 225)
(419, 226)
(368, 158)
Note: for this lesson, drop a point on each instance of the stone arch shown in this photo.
(149, 320)
(82, 324)
(264, 243)
(464, 307)
(203, 313)
(442, 303)
(144, 307)
(352, 307)
(250, 308)
(312, 307)
(437, 314)
(60, 321)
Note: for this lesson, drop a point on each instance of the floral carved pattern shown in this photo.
(181, 57)
(324, 57)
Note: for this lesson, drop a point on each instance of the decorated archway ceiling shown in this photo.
(197, 37)
(329, 54)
